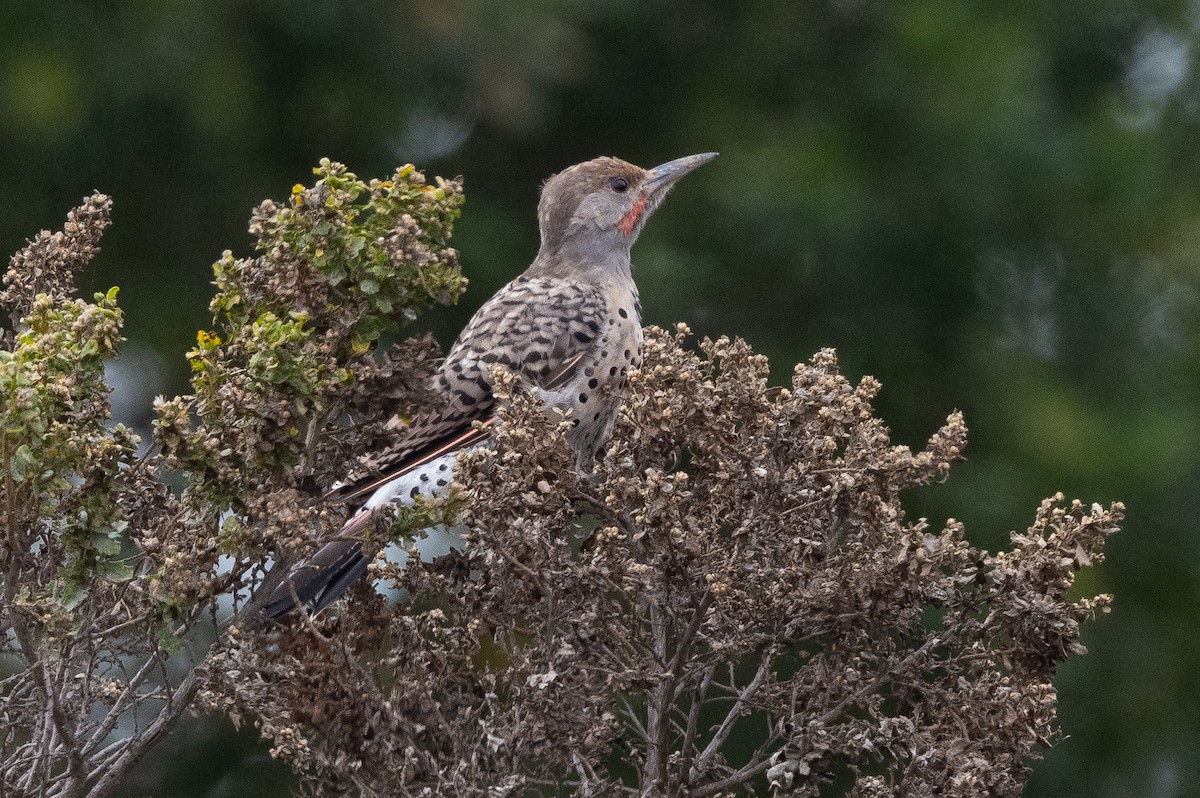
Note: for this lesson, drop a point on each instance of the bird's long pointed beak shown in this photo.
(665, 175)
(656, 185)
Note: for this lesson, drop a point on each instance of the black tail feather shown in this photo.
(320, 581)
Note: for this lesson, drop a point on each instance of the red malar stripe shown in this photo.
(630, 219)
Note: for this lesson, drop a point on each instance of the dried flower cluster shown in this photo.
(733, 602)
(748, 611)
(290, 361)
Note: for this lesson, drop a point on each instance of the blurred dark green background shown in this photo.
(993, 206)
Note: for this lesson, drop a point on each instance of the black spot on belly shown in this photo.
(583, 398)
(593, 382)
(622, 313)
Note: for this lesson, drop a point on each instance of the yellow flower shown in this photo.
(207, 341)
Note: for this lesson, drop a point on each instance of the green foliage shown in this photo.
(105, 571)
(381, 246)
(413, 520)
(340, 263)
(63, 463)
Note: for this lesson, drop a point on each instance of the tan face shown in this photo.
(600, 205)
(592, 198)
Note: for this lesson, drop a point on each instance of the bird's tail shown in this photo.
(322, 578)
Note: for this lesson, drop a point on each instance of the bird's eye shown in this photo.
(619, 185)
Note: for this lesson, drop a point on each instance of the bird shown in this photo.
(570, 326)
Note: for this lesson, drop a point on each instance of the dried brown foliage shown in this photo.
(733, 602)
(48, 264)
(752, 613)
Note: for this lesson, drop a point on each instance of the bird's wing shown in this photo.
(539, 327)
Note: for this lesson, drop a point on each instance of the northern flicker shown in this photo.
(570, 327)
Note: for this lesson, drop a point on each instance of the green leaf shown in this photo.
(168, 640)
(106, 545)
(116, 570)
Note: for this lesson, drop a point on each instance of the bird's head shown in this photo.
(594, 210)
